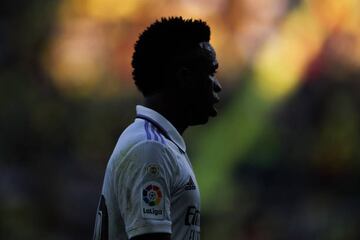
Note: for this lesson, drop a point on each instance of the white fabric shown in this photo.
(149, 184)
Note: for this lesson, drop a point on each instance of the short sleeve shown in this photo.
(143, 187)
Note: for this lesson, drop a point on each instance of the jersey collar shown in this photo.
(161, 122)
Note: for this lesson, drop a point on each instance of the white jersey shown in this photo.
(149, 184)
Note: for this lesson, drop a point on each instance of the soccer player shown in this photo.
(150, 190)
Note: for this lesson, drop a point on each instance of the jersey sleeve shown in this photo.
(144, 185)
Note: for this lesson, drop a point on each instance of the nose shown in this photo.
(217, 85)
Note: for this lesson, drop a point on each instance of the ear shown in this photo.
(183, 78)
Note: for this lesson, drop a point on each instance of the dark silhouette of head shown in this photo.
(174, 61)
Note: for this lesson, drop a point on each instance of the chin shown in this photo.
(200, 120)
(204, 120)
(195, 123)
(201, 117)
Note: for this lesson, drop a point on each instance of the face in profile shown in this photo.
(203, 91)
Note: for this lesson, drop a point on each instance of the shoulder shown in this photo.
(150, 151)
(133, 138)
(140, 132)
(151, 155)
(141, 143)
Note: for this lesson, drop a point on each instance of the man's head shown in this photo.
(173, 57)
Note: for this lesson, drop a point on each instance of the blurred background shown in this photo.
(281, 160)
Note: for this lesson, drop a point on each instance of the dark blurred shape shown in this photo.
(50, 146)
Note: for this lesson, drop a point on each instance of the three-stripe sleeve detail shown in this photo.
(153, 133)
(147, 130)
(161, 137)
(156, 138)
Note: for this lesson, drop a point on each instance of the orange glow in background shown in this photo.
(92, 47)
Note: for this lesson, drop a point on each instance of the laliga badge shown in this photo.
(152, 203)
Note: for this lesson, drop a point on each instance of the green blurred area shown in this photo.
(281, 160)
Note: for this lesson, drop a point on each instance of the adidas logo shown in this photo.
(190, 185)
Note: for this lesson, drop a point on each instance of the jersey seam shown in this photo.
(176, 180)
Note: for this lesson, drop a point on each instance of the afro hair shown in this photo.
(159, 48)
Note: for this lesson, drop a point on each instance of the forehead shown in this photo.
(207, 51)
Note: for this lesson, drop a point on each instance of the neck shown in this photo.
(166, 107)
